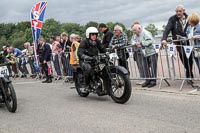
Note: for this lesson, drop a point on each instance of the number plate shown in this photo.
(4, 70)
(101, 66)
(113, 56)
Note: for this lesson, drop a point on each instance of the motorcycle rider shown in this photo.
(88, 49)
(4, 62)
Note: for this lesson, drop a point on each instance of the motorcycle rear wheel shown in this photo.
(79, 85)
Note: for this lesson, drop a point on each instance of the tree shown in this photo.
(91, 23)
(17, 39)
(110, 25)
(163, 28)
(3, 41)
(152, 28)
(71, 28)
(51, 27)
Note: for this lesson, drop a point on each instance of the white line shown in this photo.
(193, 91)
(26, 83)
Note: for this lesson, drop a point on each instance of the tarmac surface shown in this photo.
(56, 108)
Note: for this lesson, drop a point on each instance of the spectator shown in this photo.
(17, 54)
(177, 25)
(56, 50)
(5, 52)
(73, 49)
(65, 43)
(24, 58)
(44, 51)
(58, 39)
(108, 34)
(30, 59)
(73, 54)
(144, 40)
(138, 56)
(193, 32)
(117, 42)
(78, 38)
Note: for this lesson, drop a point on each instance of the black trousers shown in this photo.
(87, 71)
(123, 56)
(45, 69)
(187, 63)
(150, 67)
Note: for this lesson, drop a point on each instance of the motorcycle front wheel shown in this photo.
(11, 100)
(120, 88)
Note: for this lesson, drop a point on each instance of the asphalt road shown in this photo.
(55, 108)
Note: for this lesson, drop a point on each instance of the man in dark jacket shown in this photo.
(177, 25)
(44, 52)
(108, 34)
(88, 49)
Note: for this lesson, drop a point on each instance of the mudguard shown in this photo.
(5, 79)
(119, 69)
(75, 68)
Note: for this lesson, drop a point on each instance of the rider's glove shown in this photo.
(11, 62)
(89, 58)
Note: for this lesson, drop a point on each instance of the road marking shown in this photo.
(26, 83)
(193, 91)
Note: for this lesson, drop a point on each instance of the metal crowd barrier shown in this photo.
(168, 63)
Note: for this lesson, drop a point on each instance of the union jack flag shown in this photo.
(37, 17)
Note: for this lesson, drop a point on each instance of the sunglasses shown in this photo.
(93, 34)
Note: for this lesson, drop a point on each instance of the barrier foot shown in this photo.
(180, 89)
(160, 84)
(167, 82)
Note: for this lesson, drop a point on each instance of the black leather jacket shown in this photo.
(108, 34)
(88, 48)
(174, 25)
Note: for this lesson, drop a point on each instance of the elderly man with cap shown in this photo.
(108, 34)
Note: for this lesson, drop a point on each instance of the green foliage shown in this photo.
(91, 23)
(163, 28)
(152, 28)
(51, 27)
(3, 41)
(19, 33)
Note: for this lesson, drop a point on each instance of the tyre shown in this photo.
(120, 89)
(80, 88)
(11, 100)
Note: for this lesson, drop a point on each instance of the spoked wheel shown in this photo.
(120, 90)
(80, 88)
(11, 100)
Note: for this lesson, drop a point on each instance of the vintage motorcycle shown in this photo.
(7, 92)
(109, 79)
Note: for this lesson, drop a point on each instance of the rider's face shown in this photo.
(93, 36)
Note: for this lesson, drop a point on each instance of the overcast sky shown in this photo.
(82, 11)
